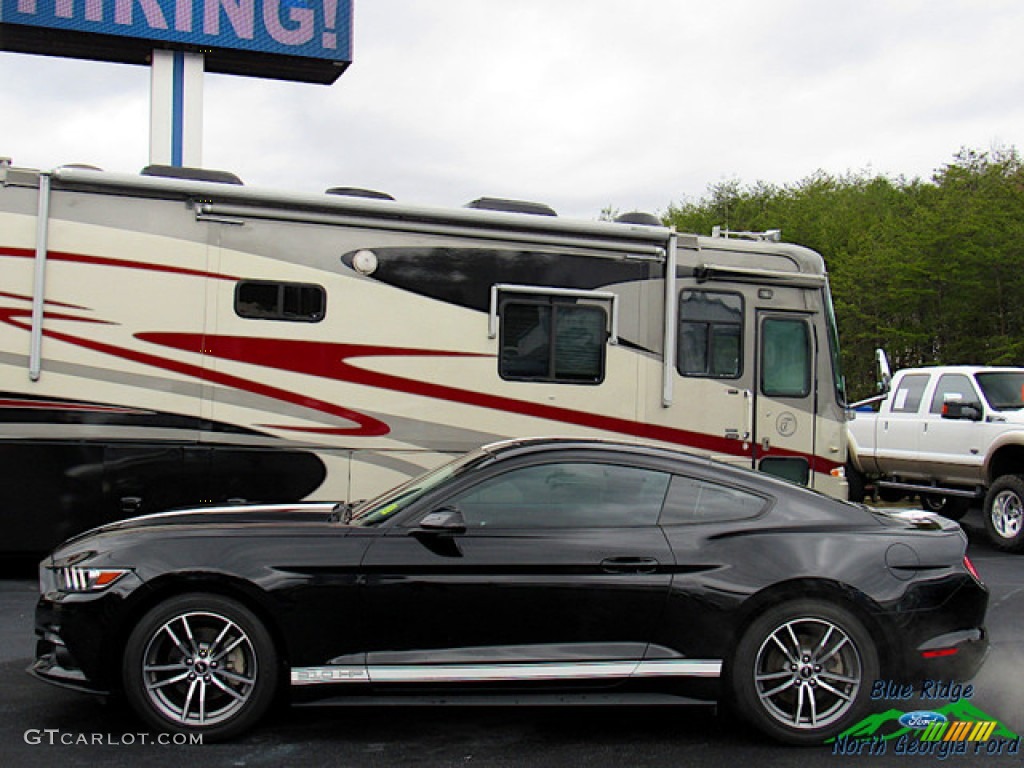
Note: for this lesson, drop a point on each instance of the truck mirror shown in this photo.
(884, 371)
(955, 408)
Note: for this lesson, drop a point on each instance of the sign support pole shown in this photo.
(176, 109)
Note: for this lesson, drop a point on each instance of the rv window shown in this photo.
(295, 302)
(710, 334)
(545, 339)
(785, 358)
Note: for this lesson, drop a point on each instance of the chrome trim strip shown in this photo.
(318, 675)
(459, 673)
(467, 673)
(679, 668)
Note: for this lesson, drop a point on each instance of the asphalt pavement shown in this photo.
(41, 725)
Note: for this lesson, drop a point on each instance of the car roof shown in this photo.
(515, 447)
(505, 449)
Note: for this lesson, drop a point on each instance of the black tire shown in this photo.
(832, 664)
(855, 481)
(200, 664)
(953, 507)
(890, 495)
(1004, 513)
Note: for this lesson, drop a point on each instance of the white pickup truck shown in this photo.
(952, 434)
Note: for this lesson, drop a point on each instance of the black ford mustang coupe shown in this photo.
(527, 569)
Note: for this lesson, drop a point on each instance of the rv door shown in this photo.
(786, 395)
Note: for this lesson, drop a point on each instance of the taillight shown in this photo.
(972, 570)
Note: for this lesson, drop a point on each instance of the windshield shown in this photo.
(833, 345)
(1004, 390)
(389, 503)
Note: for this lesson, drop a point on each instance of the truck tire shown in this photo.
(855, 482)
(1004, 513)
(953, 507)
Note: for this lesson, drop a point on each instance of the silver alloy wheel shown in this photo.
(1007, 514)
(199, 668)
(807, 673)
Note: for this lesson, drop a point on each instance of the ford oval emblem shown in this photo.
(921, 719)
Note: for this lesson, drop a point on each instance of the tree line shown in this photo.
(930, 270)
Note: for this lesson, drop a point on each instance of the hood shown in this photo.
(234, 515)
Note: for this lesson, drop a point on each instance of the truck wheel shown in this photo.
(890, 495)
(855, 481)
(1004, 513)
(200, 664)
(953, 507)
(802, 671)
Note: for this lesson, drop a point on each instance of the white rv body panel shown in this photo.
(203, 342)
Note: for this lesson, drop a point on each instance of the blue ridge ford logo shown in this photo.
(921, 719)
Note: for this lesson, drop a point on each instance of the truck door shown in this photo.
(785, 396)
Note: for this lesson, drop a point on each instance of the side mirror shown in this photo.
(444, 520)
(953, 407)
(884, 371)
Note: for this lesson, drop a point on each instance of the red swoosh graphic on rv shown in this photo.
(332, 361)
(367, 426)
(106, 261)
(329, 361)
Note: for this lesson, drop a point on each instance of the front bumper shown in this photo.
(54, 664)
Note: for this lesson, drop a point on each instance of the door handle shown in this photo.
(629, 565)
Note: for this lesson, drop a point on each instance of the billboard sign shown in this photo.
(311, 36)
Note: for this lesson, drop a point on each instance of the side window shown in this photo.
(565, 495)
(907, 397)
(710, 341)
(547, 339)
(785, 358)
(691, 500)
(294, 302)
(952, 384)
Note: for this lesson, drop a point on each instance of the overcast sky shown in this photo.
(581, 104)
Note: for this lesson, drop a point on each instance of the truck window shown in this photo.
(710, 341)
(952, 384)
(545, 339)
(294, 302)
(785, 358)
(907, 398)
(1004, 390)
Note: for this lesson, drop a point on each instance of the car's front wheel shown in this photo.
(200, 663)
(1004, 513)
(802, 672)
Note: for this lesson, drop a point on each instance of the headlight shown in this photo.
(77, 578)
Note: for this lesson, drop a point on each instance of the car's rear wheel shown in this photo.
(803, 670)
(1004, 513)
(200, 663)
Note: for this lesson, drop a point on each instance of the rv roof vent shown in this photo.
(357, 192)
(512, 206)
(191, 174)
(639, 217)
